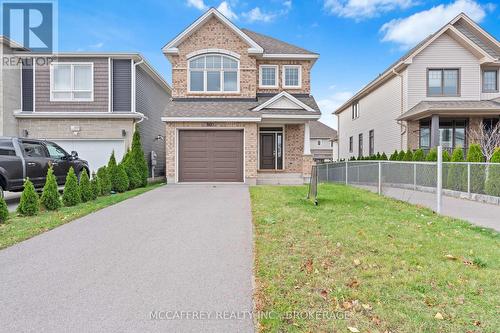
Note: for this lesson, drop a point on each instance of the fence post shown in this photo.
(346, 173)
(439, 187)
(379, 177)
(468, 178)
(327, 176)
(415, 176)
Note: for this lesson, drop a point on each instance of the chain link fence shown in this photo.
(473, 181)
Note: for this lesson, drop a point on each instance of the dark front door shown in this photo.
(267, 151)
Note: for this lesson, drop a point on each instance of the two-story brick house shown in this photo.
(434, 95)
(240, 108)
(85, 102)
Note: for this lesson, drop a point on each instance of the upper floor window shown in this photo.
(213, 73)
(292, 76)
(319, 142)
(443, 82)
(351, 144)
(355, 110)
(268, 76)
(490, 80)
(72, 82)
(360, 145)
(371, 143)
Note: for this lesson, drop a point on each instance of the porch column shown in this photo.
(307, 139)
(435, 130)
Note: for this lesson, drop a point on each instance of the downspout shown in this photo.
(134, 74)
(403, 127)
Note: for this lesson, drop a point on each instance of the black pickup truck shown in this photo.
(21, 158)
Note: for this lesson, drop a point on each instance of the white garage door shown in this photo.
(96, 152)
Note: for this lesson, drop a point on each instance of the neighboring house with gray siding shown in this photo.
(89, 102)
(323, 142)
(434, 95)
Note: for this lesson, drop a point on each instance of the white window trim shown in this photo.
(205, 91)
(52, 99)
(275, 86)
(355, 115)
(284, 67)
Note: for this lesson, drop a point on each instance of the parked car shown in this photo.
(21, 158)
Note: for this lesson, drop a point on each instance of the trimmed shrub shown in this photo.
(394, 156)
(432, 156)
(71, 194)
(112, 172)
(4, 211)
(122, 182)
(104, 181)
(378, 156)
(137, 155)
(446, 156)
(28, 205)
(85, 187)
(419, 155)
(493, 181)
(477, 171)
(133, 175)
(50, 196)
(95, 186)
(383, 157)
(401, 155)
(408, 156)
(456, 171)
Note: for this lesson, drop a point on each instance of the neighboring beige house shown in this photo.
(323, 142)
(241, 106)
(84, 102)
(433, 95)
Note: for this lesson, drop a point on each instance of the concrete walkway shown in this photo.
(173, 249)
(481, 214)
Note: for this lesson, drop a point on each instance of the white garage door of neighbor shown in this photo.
(96, 152)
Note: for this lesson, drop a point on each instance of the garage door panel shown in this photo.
(211, 155)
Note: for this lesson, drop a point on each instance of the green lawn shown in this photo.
(388, 265)
(18, 228)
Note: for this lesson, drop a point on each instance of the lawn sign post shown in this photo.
(439, 185)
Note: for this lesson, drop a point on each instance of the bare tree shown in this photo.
(487, 137)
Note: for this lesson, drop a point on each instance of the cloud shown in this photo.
(198, 4)
(360, 9)
(412, 29)
(226, 10)
(287, 4)
(333, 101)
(257, 15)
(97, 45)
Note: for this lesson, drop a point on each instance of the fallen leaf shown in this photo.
(450, 257)
(308, 266)
(366, 306)
(346, 305)
(353, 283)
(357, 262)
(439, 316)
(460, 300)
(376, 320)
(476, 323)
(323, 293)
(353, 329)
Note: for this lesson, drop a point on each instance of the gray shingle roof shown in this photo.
(474, 37)
(456, 106)
(320, 130)
(274, 46)
(211, 107)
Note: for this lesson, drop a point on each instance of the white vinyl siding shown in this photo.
(380, 109)
(444, 52)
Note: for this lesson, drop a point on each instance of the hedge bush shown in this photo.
(455, 178)
(95, 186)
(104, 181)
(121, 183)
(85, 187)
(4, 211)
(383, 157)
(408, 156)
(29, 203)
(419, 155)
(401, 155)
(394, 156)
(432, 156)
(137, 155)
(113, 172)
(71, 194)
(133, 175)
(493, 182)
(50, 199)
(477, 171)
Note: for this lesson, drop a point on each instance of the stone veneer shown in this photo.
(295, 160)
(89, 128)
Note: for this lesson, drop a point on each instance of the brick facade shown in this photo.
(306, 76)
(89, 128)
(413, 134)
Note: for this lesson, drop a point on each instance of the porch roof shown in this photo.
(452, 108)
(234, 108)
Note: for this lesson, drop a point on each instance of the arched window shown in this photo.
(213, 73)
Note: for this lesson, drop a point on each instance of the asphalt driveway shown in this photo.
(156, 262)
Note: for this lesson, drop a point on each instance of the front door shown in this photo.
(267, 151)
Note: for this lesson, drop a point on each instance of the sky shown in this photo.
(356, 39)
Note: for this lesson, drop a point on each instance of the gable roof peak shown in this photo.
(171, 47)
